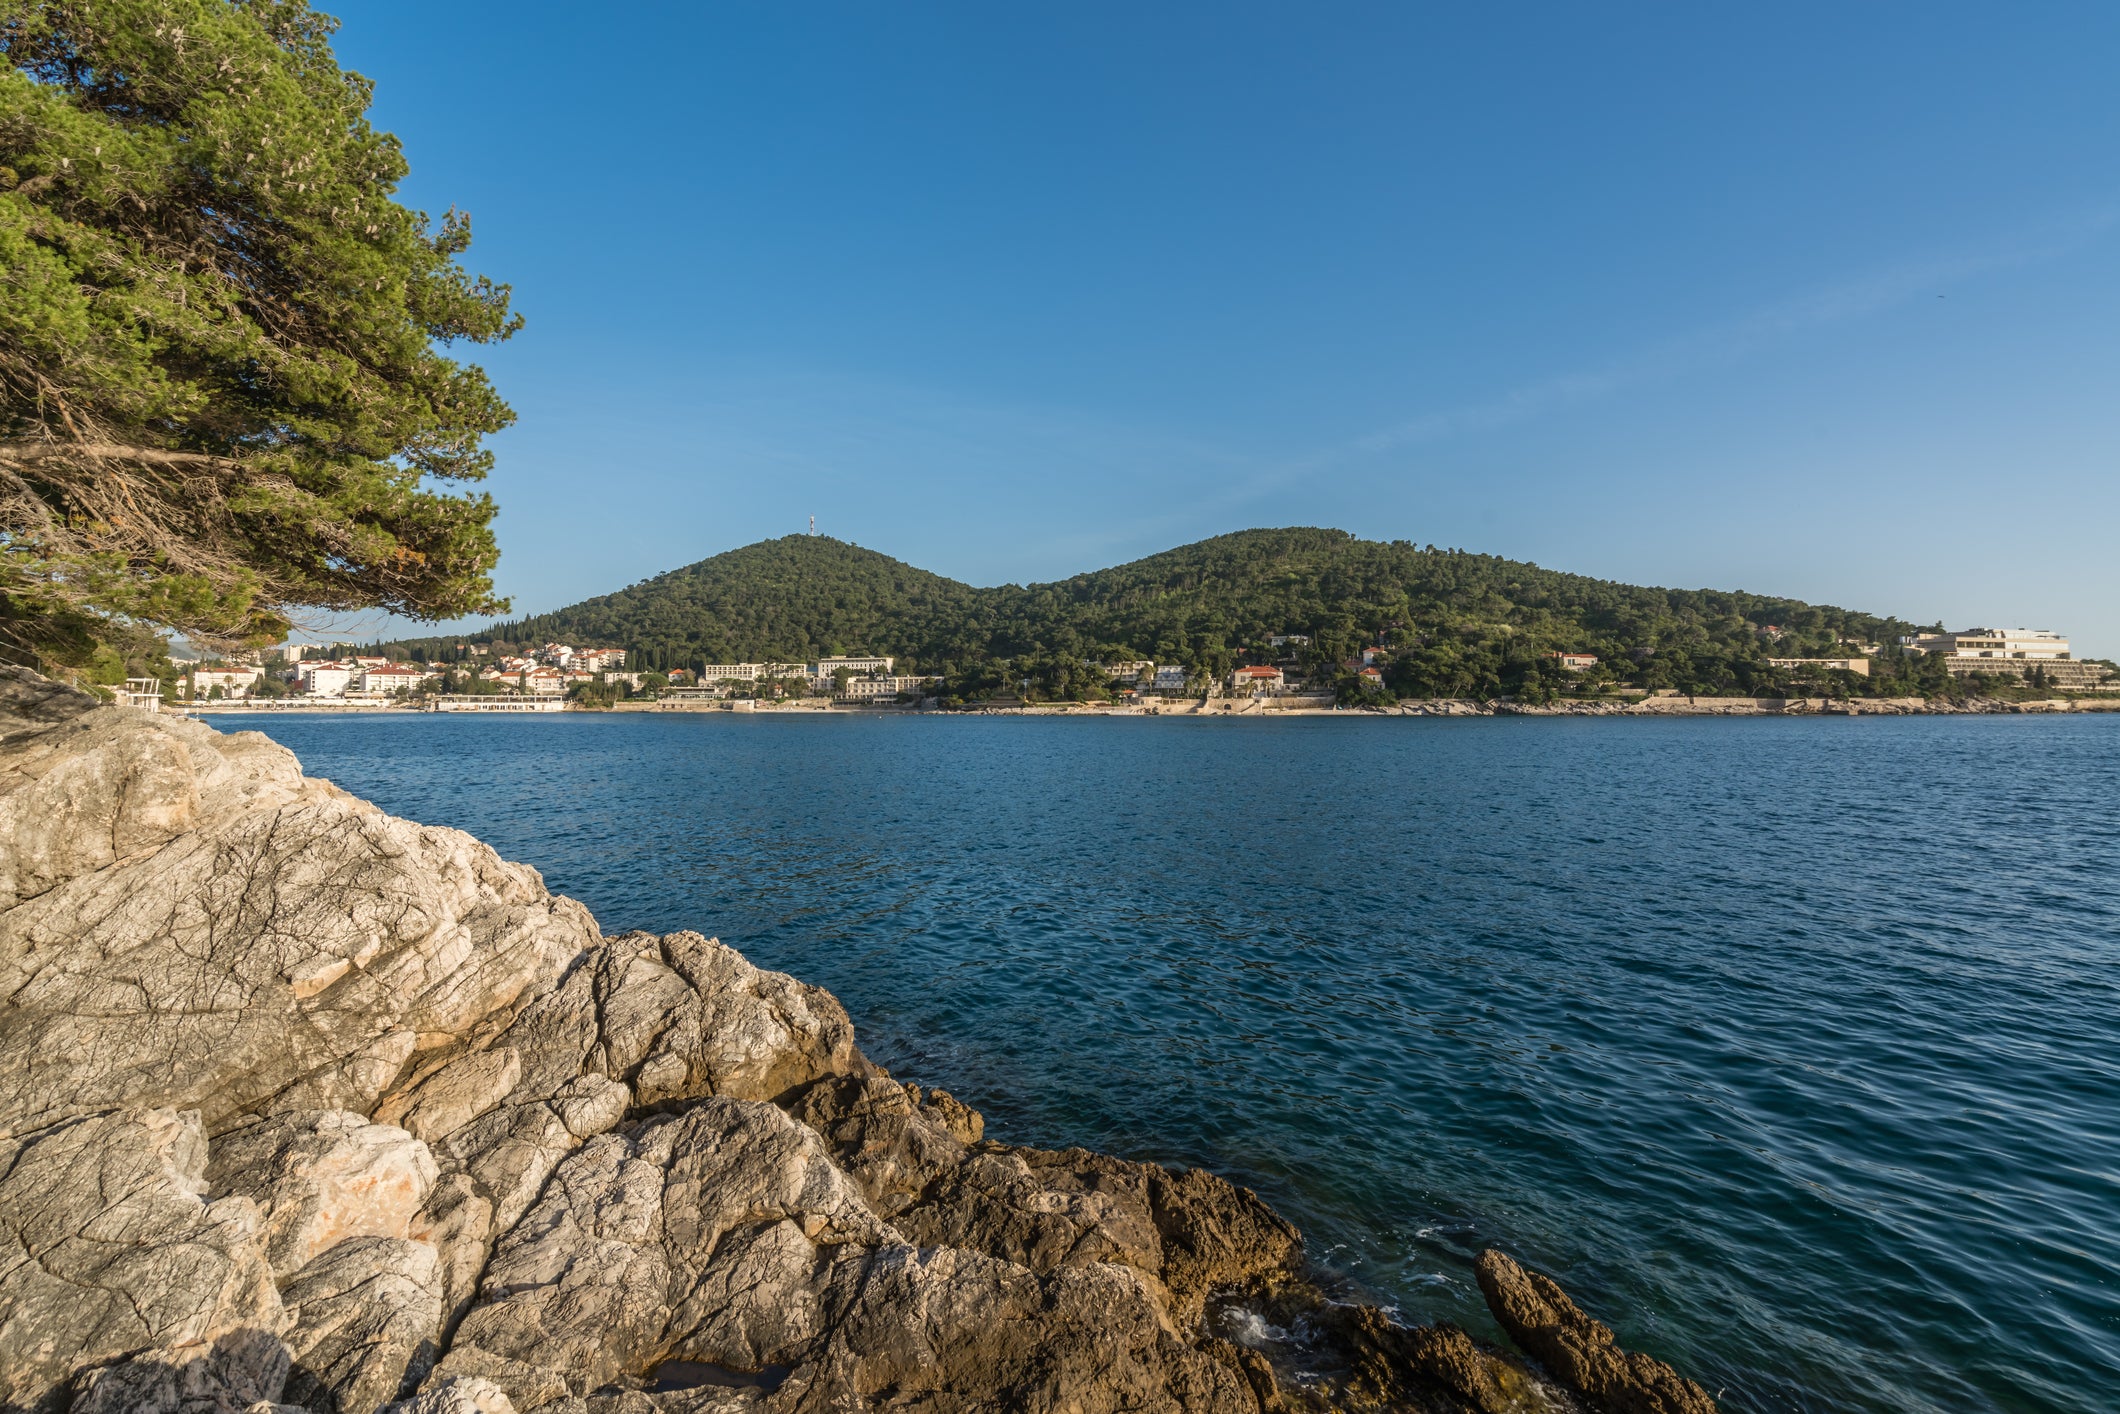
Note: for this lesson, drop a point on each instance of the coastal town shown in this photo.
(557, 676)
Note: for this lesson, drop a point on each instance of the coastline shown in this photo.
(1257, 709)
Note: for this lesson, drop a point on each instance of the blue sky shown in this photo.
(1811, 299)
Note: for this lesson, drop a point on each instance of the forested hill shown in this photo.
(794, 600)
(1457, 623)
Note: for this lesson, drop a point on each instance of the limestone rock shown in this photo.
(881, 1136)
(109, 1245)
(679, 1018)
(696, 1238)
(1192, 1232)
(959, 1120)
(1043, 1210)
(458, 1396)
(1579, 1351)
(453, 1096)
(729, 1238)
(364, 1319)
(1215, 1234)
(1438, 1366)
(509, 1152)
(187, 922)
(241, 1373)
(919, 1328)
(322, 1177)
(457, 1223)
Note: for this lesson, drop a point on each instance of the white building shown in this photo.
(827, 666)
(730, 672)
(2022, 644)
(392, 677)
(1257, 680)
(880, 687)
(143, 693)
(235, 683)
(1170, 679)
(599, 660)
(327, 679)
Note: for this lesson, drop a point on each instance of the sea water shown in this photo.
(1791, 1047)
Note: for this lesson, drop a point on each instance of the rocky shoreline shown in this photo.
(309, 1108)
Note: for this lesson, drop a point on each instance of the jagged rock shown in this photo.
(322, 1177)
(185, 921)
(727, 1237)
(240, 1373)
(1580, 1352)
(1043, 1210)
(887, 1142)
(679, 1018)
(458, 1224)
(1215, 1234)
(920, 1328)
(1191, 1231)
(109, 1245)
(694, 1238)
(1430, 1367)
(88, 799)
(450, 1098)
(1257, 1370)
(963, 1123)
(457, 1396)
(365, 1318)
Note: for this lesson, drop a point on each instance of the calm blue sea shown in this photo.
(1792, 1047)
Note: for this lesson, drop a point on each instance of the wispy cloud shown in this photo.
(1715, 345)
(1223, 482)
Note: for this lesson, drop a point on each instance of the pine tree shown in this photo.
(223, 394)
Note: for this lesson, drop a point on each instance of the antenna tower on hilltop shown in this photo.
(813, 525)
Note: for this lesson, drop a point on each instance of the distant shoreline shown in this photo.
(1264, 710)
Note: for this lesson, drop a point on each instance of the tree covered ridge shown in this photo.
(222, 381)
(1455, 623)
(793, 599)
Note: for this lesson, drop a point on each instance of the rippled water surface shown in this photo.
(1790, 1046)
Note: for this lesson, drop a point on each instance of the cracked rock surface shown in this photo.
(307, 1108)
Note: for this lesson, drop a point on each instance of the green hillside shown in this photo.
(794, 599)
(1457, 624)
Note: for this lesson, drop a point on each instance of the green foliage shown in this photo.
(1457, 624)
(467, 684)
(599, 695)
(220, 385)
(795, 600)
(1354, 690)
